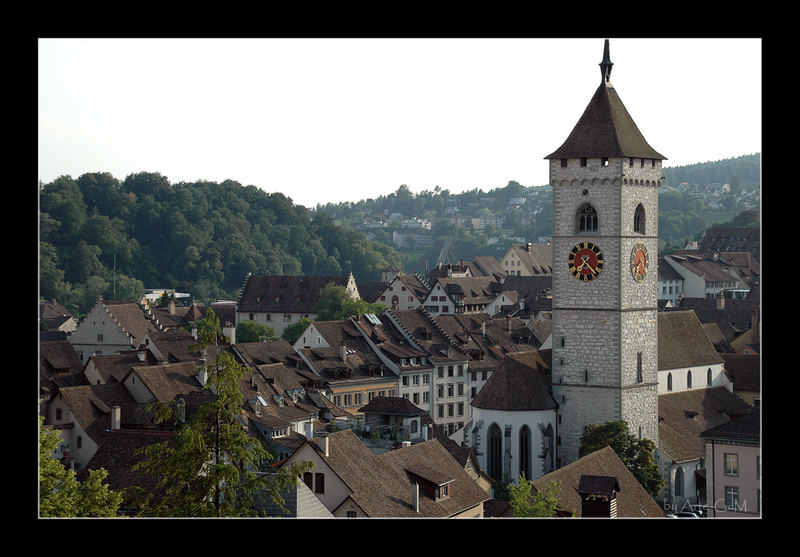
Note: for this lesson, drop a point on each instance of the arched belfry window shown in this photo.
(638, 219)
(586, 218)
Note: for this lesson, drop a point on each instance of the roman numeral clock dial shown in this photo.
(585, 261)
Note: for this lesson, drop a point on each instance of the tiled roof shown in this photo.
(743, 428)
(633, 501)
(131, 317)
(114, 367)
(396, 406)
(537, 258)
(516, 386)
(744, 371)
(383, 485)
(284, 294)
(684, 415)
(59, 357)
(605, 130)
(682, 341)
(167, 381)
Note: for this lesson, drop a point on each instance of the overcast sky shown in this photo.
(346, 119)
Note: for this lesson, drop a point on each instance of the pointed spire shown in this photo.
(605, 65)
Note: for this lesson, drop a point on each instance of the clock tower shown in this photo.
(605, 180)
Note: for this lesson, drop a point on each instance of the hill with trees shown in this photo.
(102, 236)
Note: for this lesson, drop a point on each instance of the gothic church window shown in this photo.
(669, 381)
(638, 219)
(525, 451)
(586, 218)
(495, 450)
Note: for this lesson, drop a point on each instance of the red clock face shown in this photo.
(585, 261)
(639, 262)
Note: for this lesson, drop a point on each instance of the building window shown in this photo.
(308, 479)
(494, 461)
(731, 464)
(708, 377)
(525, 451)
(731, 498)
(638, 219)
(563, 163)
(689, 379)
(319, 483)
(679, 482)
(669, 381)
(586, 218)
(583, 162)
(604, 161)
(639, 377)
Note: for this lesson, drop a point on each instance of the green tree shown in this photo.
(336, 303)
(636, 454)
(213, 466)
(61, 494)
(293, 331)
(540, 505)
(250, 331)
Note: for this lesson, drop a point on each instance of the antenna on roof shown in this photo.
(606, 64)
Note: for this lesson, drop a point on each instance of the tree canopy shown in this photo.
(636, 454)
(100, 236)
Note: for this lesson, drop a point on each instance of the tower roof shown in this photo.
(605, 128)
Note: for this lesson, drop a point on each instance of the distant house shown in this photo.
(528, 260)
(280, 301)
(733, 467)
(403, 292)
(681, 453)
(670, 282)
(420, 480)
(703, 277)
(112, 327)
(55, 318)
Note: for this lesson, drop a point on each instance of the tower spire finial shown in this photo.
(605, 65)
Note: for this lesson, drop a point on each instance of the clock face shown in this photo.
(585, 261)
(639, 261)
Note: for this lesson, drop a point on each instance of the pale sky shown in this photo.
(330, 120)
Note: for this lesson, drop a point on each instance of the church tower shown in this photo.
(605, 180)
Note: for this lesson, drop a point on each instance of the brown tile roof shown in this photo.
(682, 342)
(383, 485)
(132, 318)
(59, 357)
(516, 386)
(284, 294)
(537, 258)
(605, 129)
(272, 352)
(633, 501)
(684, 415)
(167, 381)
(744, 371)
(395, 406)
(175, 345)
(114, 367)
(746, 428)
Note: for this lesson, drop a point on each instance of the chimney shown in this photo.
(324, 442)
(202, 372)
(194, 333)
(598, 496)
(415, 497)
(181, 409)
(171, 306)
(483, 329)
(343, 352)
(528, 247)
(309, 428)
(720, 300)
(116, 416)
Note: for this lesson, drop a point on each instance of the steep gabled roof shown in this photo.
(682, 342)
(516, 386)
(605, 129)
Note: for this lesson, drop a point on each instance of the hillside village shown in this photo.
(430, 374)
(480, 373)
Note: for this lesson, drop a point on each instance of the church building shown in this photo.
(605, 180)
